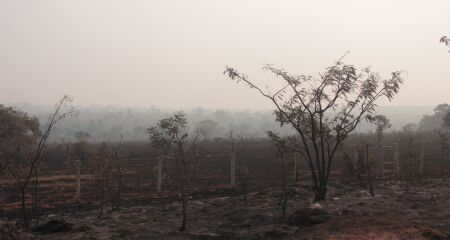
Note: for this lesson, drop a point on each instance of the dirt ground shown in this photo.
(399, 210)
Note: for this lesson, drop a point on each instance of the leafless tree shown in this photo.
(81, 147)
(282, 148)
(355, 162)
(68, 159)
(102, 167)
(108, 173)
(369, 177)
(243, 178)
(324, 110)
(197, 150)
(170, 135)
(60, 112)
(208, 127)
(409, 138)
(117, 173)
(381, 123)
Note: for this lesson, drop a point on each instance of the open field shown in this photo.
(404, 206)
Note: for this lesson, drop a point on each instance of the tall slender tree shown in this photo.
(60, 112)
(170, 136)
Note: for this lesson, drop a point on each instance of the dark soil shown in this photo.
(399, 210)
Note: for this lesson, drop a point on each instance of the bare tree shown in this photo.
(81, 147)
(68, 159)
(282, 148)
(355, 162)
(381, 123)
(208, 127)
(102, 167)
(369, 178)
(60, 112)
(108, 173)
(324, 110)
(243, 178)
(409, 138)
(232, 160)
(117, 174)
(198, 146)
(170, 135)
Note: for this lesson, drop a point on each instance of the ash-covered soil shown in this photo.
(399, 210)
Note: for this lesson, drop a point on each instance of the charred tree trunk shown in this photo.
(78, 182)
(368, 171)
(284, 183)
(119, 178)
(102, 196)
(24, 204)
(184, 206)
(443, 147)
(35, 194)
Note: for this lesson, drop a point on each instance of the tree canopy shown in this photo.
(17, 129)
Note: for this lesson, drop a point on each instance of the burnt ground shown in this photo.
(399, 210)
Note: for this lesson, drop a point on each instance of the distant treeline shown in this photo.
(109, 123)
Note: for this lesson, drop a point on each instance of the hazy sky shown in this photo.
(172, 53)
